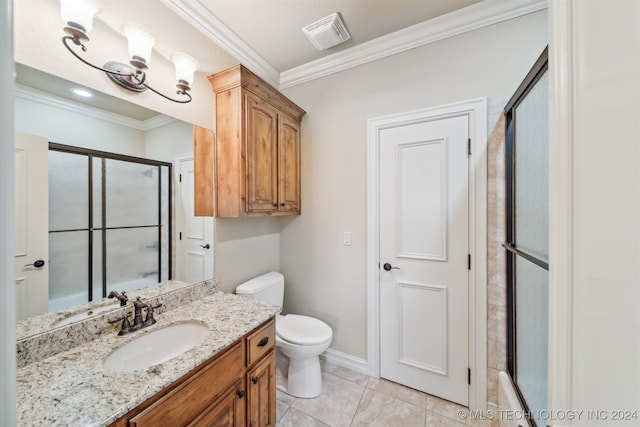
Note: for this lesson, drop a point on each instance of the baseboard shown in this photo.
(346, 361)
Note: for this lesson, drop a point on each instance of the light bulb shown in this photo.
(141, 42)
(78, 14)
(185, 67)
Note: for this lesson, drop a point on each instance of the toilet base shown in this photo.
(303, 376)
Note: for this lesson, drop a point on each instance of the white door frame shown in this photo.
(177, 196)
(476, 110)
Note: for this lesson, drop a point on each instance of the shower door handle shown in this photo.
(37, 264)
(205, 246)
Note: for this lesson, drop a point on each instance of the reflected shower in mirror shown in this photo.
(109, 224)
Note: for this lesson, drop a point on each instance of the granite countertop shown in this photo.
(72, 387)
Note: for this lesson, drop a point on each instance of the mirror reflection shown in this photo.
(97, 208)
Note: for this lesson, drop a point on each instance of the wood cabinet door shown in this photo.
(262, 154)
(261, 390)
(289, 165)
(228, 411)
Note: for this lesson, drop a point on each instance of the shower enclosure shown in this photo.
(109, 224)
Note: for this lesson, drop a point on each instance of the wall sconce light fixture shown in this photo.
(78, 18)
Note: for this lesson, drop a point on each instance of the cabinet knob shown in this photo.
(263, 342)
(275, 205)
(255, 380)
(281, 204)
(240, 394)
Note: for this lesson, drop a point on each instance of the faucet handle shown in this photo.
(126, 325)
(149, 319)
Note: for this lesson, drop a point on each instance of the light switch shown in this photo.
(347, 238)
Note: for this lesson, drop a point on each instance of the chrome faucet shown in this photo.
(138, 323)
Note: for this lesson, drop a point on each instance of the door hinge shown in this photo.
(469, 147)
(468, 261)
(469, 376)
(180, 236)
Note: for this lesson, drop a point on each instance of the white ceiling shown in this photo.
(273, 28)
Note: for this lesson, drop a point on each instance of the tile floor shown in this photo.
(353, 399)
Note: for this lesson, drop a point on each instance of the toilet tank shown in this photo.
(268, 287)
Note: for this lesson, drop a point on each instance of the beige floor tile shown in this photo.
(336, 405)
(380, 410)
(295, 418)
(448, 409)
(285, 398)
(398, 391)
(437, 420)
(345, 373)
(281, 410)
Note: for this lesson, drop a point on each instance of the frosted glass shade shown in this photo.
(141, 42)
(79, 13)
(185, 67)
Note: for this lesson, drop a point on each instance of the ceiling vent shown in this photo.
(327, 32)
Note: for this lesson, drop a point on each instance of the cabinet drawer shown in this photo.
(260, 342)
(197, 393)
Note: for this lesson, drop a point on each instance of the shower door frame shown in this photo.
(90, 153)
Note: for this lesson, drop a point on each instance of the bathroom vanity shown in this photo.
(235, 385)
(226, 379)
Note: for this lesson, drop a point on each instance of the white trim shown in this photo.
(7, 278)
(346, 361)
(470, 18)
(561, 134)
(44, 98)
(213, 28)
(476, 110)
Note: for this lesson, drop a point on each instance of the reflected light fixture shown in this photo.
(78, 19)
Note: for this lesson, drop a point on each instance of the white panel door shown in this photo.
(31, 231)
(424, 247)
(195, 234)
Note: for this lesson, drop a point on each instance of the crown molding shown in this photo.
(208, 24)
(470, 18)
(44, 98)
(157, 121)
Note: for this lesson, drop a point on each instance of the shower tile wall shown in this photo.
(496, 292)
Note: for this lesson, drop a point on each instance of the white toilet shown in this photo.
(301, 339)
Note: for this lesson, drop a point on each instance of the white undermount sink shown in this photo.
(156, 347)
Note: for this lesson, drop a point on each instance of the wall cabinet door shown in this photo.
(262, 155)
(261, 390)
(257, 147)
(289, 165)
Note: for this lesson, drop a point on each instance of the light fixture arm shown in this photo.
(136, 75)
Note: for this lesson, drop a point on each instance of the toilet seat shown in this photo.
(303, 330)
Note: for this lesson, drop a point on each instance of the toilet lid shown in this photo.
(302, 330)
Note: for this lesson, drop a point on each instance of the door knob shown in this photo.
(37, 264)
(205, 246)
(388, 267)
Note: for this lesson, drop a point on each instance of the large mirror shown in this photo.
(111, 170)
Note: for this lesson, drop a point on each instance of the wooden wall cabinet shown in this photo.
(233, 388)
(257, 147)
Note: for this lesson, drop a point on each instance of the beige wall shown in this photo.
(325, 278)
(245, 248)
